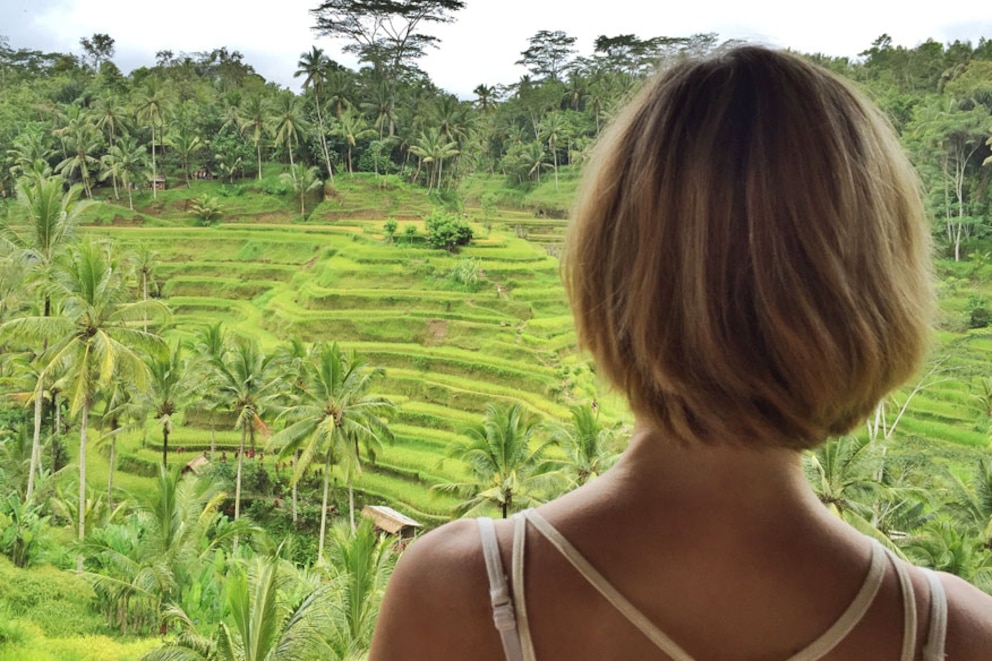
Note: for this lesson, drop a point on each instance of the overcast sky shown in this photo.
(487, 36)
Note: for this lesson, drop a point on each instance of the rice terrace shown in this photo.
(307, 303)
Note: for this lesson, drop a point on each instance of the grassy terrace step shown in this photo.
(940, 431)
(471, 389)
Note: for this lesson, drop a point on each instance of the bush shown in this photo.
(979, 315)
(447, 231)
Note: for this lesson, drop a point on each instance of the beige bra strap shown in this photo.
(519, 593)
(850, 617)
(933, 649)
(909, 623)
(499, 593)
(598, 581)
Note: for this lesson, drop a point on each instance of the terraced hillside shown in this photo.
(455, 332)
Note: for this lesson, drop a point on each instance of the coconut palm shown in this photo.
(351, 127)
(93, 340)
(433, 147)
(972, 506)
(52, 218)
(314, 66)
(151, 109)
(288, 124)
(127, 161)
(174, 384)
(255, 123)
(110, 116)
(508, 464)
(360, 564)
(82, 141)
(246, 381)
(274, 614)
(333, 419)
(303, 180)
(589, 445)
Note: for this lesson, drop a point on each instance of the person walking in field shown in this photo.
(749, 264)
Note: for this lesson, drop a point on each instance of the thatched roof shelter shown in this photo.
(391, 521)
(196, 465)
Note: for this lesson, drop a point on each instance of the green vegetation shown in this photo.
(350, 296)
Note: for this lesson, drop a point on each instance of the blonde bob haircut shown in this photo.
(749, 259)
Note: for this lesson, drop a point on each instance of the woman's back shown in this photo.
(717, 588)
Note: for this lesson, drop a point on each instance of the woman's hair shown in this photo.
(749, 257)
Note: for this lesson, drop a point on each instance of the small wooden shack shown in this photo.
(389, 520)
(158, 182)
(196, 465)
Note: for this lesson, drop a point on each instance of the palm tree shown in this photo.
(93, 341)
(433, 147)
(303, 180)
(553, 128)
(972, 506)
(127, 161)
(335, 416)
(52, 218)
(246, 380)
(314, 66)
(173, 386)
(151, 109)
(352, 127)
(179, 527)
(273, 615)
(110, 117)
(590, 446)
(360, 563)
(508, 465)
(256, 123)
(288, 124)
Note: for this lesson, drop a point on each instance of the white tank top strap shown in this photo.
(909, 626)
(519, 592)
(499, 593)
(933, 649)
(855, 611)
(598, 581)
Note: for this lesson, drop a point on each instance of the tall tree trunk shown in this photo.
(35, 440)
(258, 153)
(154, 171)
(83, 423)
(110, 477)
(144, 298)
(323, 508)
(165, 445)
(351, 504)
(323, 139)
(237, 485)
(296, 515)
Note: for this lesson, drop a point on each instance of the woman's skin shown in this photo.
(725, 549)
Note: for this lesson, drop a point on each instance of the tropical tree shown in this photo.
(82, 140)
(314, 67)
(255, 123)
(433, 147)
(360, 564)
(126, 161)
(334, 418)
(508, 464)
(52, 218)
(151, 110)
(590, 446)
(288, 125)
(154, 557)
(303, 180)
(173, 385)
(93, 340)
(274, 614)
(351, 127)
(246, 382)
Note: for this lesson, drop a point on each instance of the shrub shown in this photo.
(979, 315)
(447, 231)
(390, 229)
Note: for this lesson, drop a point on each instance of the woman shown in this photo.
(749, 264)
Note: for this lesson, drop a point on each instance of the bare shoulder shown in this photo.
(969, 625)
(437, 602)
